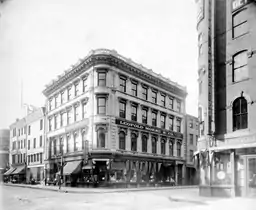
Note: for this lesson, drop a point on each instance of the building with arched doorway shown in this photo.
(111, 121)
(227, 112)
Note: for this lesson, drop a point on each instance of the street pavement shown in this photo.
(33, 199)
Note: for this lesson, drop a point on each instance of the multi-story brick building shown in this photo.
(4, 151)
(227, 111)
(191, 136)
(113, 120)
(27, 147)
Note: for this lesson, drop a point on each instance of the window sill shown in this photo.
(240, 36)
(243, 80)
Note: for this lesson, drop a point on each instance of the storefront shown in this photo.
(18, 175)
(228, 172)
(35, 173)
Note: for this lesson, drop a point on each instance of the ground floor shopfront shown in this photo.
(115, 169)
(228, 172)
(16, 174)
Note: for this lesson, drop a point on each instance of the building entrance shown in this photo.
(251, 176)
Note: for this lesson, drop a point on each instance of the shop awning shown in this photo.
(9, 171)
(72, 167)
(19, 170)
(118, 166)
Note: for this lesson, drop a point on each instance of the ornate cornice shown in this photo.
(113, 59)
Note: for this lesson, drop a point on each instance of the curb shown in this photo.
(121, 190)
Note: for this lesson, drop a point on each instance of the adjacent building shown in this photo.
(113, 121)
(227, 95)
(191, 136)
(4, 151)
(27, 148)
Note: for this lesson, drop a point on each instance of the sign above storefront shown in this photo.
(236, 4)
(149, 128)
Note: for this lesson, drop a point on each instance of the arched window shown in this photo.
(162, 146)
(144, 143)
(153, 145)
(178, 149)
(171, 148)
(133, 142)
(240, 118)
(101, 138)
(122, 140)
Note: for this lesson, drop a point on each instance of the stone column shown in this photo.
(176, 173)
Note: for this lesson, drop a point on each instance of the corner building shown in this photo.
(113, 122)
(227, 111)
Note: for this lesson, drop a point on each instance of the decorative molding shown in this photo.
(134, 81)
(84, 100)
(85, 76)
(101, 125)
(120, 99)
(135, 132)
(122, 129)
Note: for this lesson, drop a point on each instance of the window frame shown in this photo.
(144, 142)
(134, 88)
(122, 109)
(178, 149)
(235, 14)
(144, 117)
(237, 69)
(102, 82)
(241, 115)
(101, 143)
(134, 142)
(163, 144)
(134, 115)
(104, 106)
(154, 144)
(122, 141)
(122, 84)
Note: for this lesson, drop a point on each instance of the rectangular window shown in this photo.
(191, 153)
(28, 159)
(41, 124)
(240, 68)
(21, 144)
(25, 130)
(163, 147)
(76, 87)
(50, 124)
(21, 131)
(122, 109)
(101, 105)
(37, 157)
(178, 125)
(41, 157)
(145, 93)
(34, 142)
(68, 143)
(54, 147)
(68, 117)
(28, 144)
(170, 103)
(123, 85)
(239, 24)
(18, 144)
(134, 112)
(134, 89)
(178, 106)
(84, 85)
(163, 117)
(50, 104)
(154, 142)
(29, 130)
(41, 141)
(75, 143)
(62, 97)
(24, 143)
(69, 93)
(31, 156)
(84, 110)
(61, 119)
(56, 101)
(191, 139)
(75, 114)
(144, 116)
(162, 100)
(154, 97)
(154, 118)
(55, 121)
(171, 123)
(102, 78)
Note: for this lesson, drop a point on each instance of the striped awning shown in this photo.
(10, 171)
(19, 170)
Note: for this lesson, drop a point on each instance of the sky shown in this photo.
(39, 39)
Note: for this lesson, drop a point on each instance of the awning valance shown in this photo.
(72, 167)
(19, 170)
(233, 146)
(10, 171)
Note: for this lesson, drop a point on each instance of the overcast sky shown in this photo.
(39, 39)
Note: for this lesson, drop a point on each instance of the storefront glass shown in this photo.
(251, 181)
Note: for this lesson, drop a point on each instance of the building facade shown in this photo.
(26, 155)
(114, 122)
(35, 145)
(191, 136)
(4, 151)
(227, 49)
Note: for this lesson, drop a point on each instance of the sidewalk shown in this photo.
(97, 190)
